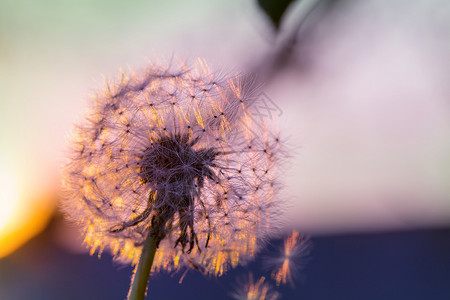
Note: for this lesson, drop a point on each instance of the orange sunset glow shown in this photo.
(21, 216)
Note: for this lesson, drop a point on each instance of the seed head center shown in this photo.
(173, 160)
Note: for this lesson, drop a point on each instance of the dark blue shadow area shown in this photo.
(400, 265)
(396, 265)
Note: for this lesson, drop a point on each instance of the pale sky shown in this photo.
(368, 121)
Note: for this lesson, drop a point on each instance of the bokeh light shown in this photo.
(9, 195)
(21, 215)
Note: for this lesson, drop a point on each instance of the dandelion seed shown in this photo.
(163, 155)
(290, 259)
(259, 290)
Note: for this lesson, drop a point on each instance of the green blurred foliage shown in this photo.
(275, 9)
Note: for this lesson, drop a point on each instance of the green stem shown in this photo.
(142, 271)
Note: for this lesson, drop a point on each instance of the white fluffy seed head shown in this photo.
(174, 152)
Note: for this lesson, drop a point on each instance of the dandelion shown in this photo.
(291, 258)
(259, 290)
(169, 170)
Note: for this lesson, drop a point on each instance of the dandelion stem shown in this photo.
(142, 272)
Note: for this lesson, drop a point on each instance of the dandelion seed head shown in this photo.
(173, 152)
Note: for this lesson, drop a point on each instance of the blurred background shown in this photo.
(363, 97)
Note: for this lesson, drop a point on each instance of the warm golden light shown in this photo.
(284, 273)
(255, 290)
(21, 217)
(290, 259)
(8, 195)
